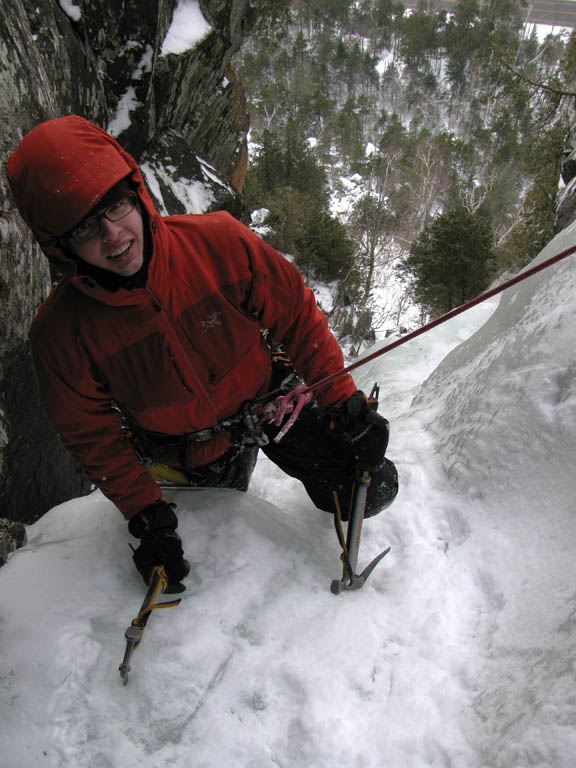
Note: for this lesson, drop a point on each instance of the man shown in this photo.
(160, 332)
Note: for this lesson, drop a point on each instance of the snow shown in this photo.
(122, 120)
(128, 102)
(346, 192)
(384, 62)
(211, 176)
(70, 9)
(257, 222)
(188, 28)
(195, 196)
(459, 651)
(543, 30)
(325, 294)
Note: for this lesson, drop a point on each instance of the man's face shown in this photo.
(117, 247)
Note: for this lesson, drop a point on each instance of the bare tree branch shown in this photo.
(533, 83)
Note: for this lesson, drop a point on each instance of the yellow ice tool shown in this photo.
(134, 633)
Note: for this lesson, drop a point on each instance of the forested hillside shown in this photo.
(383, 137)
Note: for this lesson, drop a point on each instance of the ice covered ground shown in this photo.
(458, 652)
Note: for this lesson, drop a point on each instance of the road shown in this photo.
(556, 13)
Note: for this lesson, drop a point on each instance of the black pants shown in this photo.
(317, 457)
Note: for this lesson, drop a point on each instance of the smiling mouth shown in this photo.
(119, 254)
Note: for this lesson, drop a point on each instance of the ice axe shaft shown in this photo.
(350, 579)
(135, 632)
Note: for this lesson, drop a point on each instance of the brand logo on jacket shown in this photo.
(212, 321)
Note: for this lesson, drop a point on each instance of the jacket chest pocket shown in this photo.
(222, 336)
(146, 375)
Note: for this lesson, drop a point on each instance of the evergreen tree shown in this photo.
(371, 224)
(287, 179)
(285, 161)
(325, 251)
(462, 38)
(420, 37)
(289, 217)
(450, 261)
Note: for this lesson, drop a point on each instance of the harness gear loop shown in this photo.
(165, 474)
(291, 403)
(243, 428)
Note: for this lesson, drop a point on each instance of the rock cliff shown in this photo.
(566, 199)
(183, 116)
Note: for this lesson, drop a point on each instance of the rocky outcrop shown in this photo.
(566, 200)
(185, 119)
(12, 536)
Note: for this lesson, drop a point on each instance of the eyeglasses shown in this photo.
(92, 227)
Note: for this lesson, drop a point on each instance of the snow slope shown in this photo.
(459, 650)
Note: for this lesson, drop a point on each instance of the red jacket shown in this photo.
(177, 355)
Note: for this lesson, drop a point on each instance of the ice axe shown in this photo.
(134, 633)
(351, 544)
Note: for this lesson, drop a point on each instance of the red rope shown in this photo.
(448, 316)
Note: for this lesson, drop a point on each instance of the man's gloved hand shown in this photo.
(156, 527)
(362, 427)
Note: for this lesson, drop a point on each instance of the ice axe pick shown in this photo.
(350, 547)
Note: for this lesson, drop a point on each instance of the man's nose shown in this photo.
(109, 230)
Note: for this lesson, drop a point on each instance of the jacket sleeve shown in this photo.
(283, 303)
(90, 427)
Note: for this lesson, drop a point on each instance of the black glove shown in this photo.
(359, 424)
(160, 544)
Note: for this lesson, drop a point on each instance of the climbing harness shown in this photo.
(135, 632)
(243, 428)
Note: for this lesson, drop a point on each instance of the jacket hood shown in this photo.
(59, 172)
